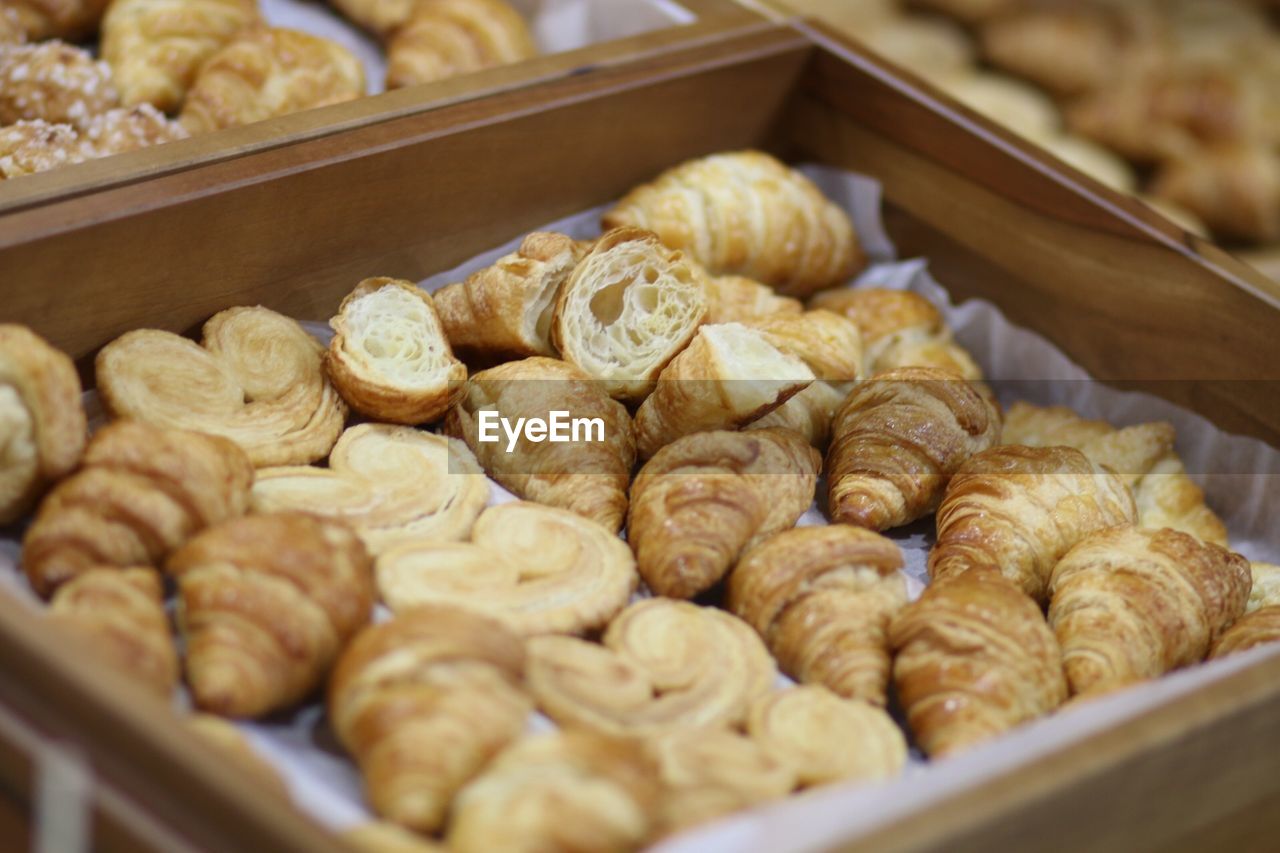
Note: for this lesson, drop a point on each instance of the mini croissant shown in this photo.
(734, 299)
(973, 658)
(1130, 604)
(808, 413)
(704, 498)
(898, 438)
(1234, 189)
(445, 38)
(380, 17)
(822, 599)
(1020, 509)
(266, 604)
(1061, 47)
(423, 702)
(830, 344)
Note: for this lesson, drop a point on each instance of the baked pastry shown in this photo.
(898, 438)
(122, 130)
(830, 344)
(1255, 628)
(53, 81)
(120, 614)
(256, 378)
(808, 413)
(1130, 604)
(973, 657)
(265, 72)
(29, 147)
(564, 791)
(536, 568)
(11, 29)
(899, 329)
(587, 474)
(825, 738)
(928, 47)
(704, 498)
(745, 213)
(1069, 49)
(822, 598)
(1010, 103)
(389, 358)
(1093, 160)
(1020, 509)
(445, 38)
(266, 602)
(380, 17)
(63, 19)
(728, 376)
(1265, 591)
(627, 308)
(735, 299)
(663, 664)
(383, 837)
(142, 492)
(504, 311)
(392, 484)
(156, 47)
(1234, 189)
(229, 742)
(42, 423)
(968, 11)
(423, 702)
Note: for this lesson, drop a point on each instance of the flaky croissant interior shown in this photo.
(400, 335)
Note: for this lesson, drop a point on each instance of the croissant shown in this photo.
(898, 438)
(1068, 49)
(231, 744)
(734, 299)
(29, 147)
(1009, 103)
(120, 614)
(504, 311)
(42, 423)
(1265, 591)
(968, 11)
(663, 664)
(808, 413)
(578, 791)
(393, 485)
(536, 568)
(899, 329)
(973, 658)
(445, 38)
(930, 47)
(1255, 628)
(1130, 604)
(53, 81)
(1020, 509)
(423, 702)
(745, 213)
(1093, 160)
(389, 358)
(266, 602)
(156, 47)
(380, 17)
(704, 498)
(62, 19)
(1234, 189)
(587, 474)
(122, 130)
(265, 72)
(141, 493)
(256, 378)
(822, 599)
(825, 738)
(728, 376)
(830, 344)
(382, 837)
(627, 308)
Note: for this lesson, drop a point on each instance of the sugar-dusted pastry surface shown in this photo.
(55, 82)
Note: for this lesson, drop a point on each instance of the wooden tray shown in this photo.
(295, 224)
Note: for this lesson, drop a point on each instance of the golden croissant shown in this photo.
(42, 422)
(830, 344)
(231, 744)
(1256, 628)
(1130, 604)
(662, 664)
(393, 484)
(822, 599)
(380, 17)
(389, 358)
(1068, 49)
(142, 492)
(704, 498)
(56, 19)
(266, 603)
(745, 213)
(1020, 509)
(445, 38)
(973, 657)
(536, 568)
(423, 702)
(1234, 189)
(587, 474)
(29, 147)
(55, 82)
(627, 308)
(256, 378)
(156, 47)
(119, 613)
(896, 441)
(808, 413)
(504, 311)
(573, 790)
(735, 299)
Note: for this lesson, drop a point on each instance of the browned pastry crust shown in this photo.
(896, 441)
(119, 131)
(380, 17)
(735, 299)
(423, 702)
(64, 19)
(29, 147)
(53, 81)
(1130, 604)
(119, 613)
(829, 343)
(42, 423)
(1069, 49)
(229, 742)
(704, 498)
(973, 658)
(1256, 628)
(445, 38)
(1234, 189)
(808, 413)
(587, 477)
(266, 602)
(141, 492)
(1018, 509)
(822, 599)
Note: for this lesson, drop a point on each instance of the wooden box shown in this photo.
(294, 224)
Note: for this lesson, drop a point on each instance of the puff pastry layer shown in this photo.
(736, 299)
(445, 38)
